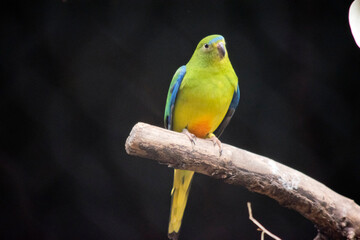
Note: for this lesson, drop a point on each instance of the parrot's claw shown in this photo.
(191, 136)
(216, 141)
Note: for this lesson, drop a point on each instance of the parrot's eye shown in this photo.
(206, 45)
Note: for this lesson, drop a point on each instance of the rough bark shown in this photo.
(335, 216)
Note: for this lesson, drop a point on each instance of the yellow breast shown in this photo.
(201, 109)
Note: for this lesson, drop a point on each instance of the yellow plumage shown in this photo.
(179, 193)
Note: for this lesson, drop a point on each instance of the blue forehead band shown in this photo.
(214, 40)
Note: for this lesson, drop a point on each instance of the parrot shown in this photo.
(201, 101)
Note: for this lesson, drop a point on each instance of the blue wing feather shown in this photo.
(171, 98)
(236, 98)
(233, 105)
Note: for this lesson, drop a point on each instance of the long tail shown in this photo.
(179, 193)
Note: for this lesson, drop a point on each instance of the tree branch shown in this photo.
(335, 216)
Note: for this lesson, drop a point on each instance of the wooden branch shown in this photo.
(335, 216)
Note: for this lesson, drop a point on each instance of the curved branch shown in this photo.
(335, 216)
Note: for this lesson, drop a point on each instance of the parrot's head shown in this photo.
(210, 50)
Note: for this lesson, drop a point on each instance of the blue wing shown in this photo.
(234, 103)
(171, 97)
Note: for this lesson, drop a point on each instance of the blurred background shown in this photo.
(77, 75)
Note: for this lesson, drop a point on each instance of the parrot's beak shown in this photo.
(221, 49)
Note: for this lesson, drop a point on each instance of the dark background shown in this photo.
(77, 75)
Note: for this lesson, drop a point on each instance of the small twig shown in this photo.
(261, 227)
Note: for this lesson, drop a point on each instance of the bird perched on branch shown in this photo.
(202, 98)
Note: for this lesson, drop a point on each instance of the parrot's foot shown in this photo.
(191, 136)
(216, 141)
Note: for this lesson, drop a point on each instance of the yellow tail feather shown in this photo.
(179, 193)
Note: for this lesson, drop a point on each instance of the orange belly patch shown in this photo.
(200, 128)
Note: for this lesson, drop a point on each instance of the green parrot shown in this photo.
(202, 98)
